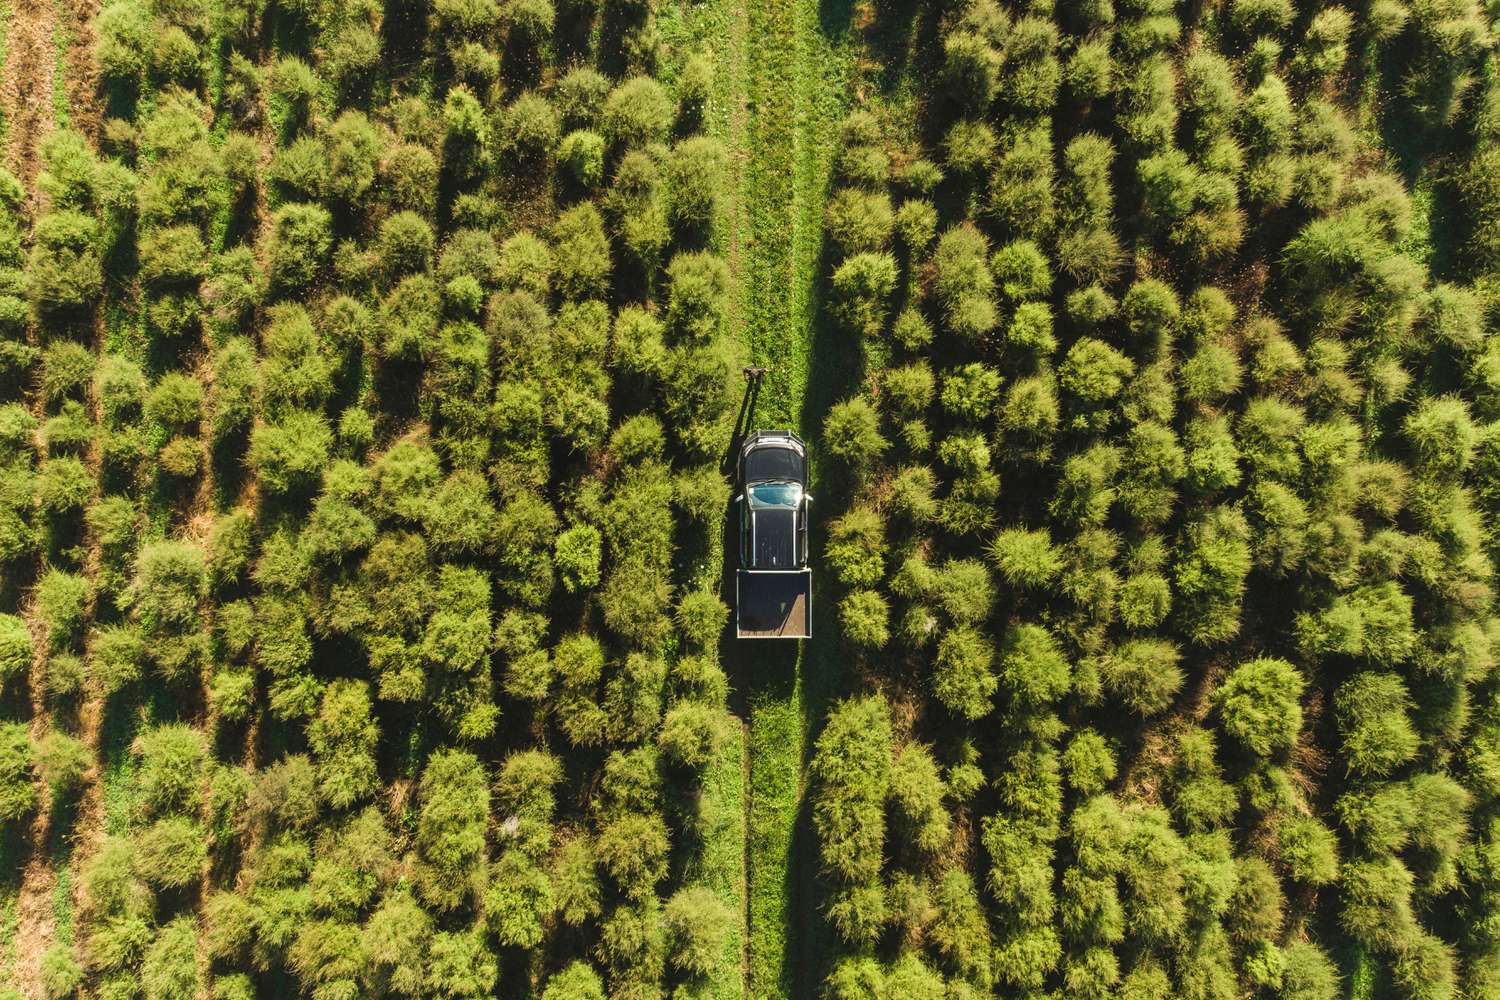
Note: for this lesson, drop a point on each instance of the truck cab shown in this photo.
(773, 502)
(774, 583)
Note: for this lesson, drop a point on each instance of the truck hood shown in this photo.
(775, 532)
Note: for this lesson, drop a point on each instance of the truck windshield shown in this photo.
(774, 495)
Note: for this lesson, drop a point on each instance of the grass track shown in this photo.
(801, 70)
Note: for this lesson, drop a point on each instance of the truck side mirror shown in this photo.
(739, 498)
(809, 497)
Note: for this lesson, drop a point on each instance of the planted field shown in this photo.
(369, 387)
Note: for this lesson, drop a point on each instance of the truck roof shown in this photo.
(775, 537)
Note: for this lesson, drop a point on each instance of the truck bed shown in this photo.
(773, 604)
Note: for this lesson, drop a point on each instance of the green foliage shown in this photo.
(343, 737)
(852, 766)
(1144, 674)
(964, 680)
(1259, 704)
(851, 433)
(171, 853)
(15, 649)
(636, 113)
(296, 247)
(171, 762)
(289, 455)
(697, 922)
(59, 973)
(450, 832)
(170, 971)
(17, 793)
(1378, 735)
(62, 761)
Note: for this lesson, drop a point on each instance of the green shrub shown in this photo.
(343, 737)
(1377, 904)
(450, 832)
(17, 792)
(1032, 669)
(1026, 559)
(1089, 761)
(851, 768)
(971, 70)
(171, 853)
(125, 34)
(233, 403)
(530, 128)
(637, 113)
(467, 18)
(70, 432)
(65, 277)
(171, 582)
(176, 401)
(864, 615)
(411, 175)
(59, 601)
(859, 221)
(405, 244)
(297, 246)
(116, 656)
(532, 19)
(1144, 674)
(180, 457)
(963, 679)
(65, 485)
(578, 981)
(576, 882)
(66, 365)
(302, 167)
(289, 455)
(170, 775)
(62, 761)
(58, 972)
(969, 147)
(697, 299)
(697, 922)
(695, 176)
(701, 616)
(851, 433)
(581, 263)
(911, 495)
(691, 732)
(1210, 574)
(119, 384)
(580, 97)
(582, 152)
(15, 649)
(917, 792)
(861, 286)
(916, 223)
(1258, 702)
(170, 971)
(295, 84)
(1442, 437)
(1378, 735)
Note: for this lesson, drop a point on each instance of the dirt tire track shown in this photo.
(36, 920)
(81, 76)
(26, 90)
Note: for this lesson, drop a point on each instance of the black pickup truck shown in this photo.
(773, 597)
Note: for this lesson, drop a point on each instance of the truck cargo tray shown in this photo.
(773, 604)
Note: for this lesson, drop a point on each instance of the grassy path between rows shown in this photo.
(797, 71)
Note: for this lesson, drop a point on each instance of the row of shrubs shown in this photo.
(1170, 594)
